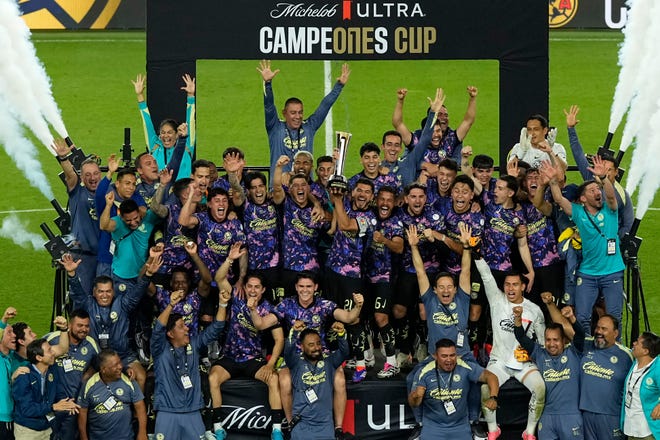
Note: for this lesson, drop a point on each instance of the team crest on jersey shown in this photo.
(316, 319)
(373, 221)
(560, 12)
(567, 297)
(83, 351)
(400, 223)
(119, 391)
(457, 377)
(600, 217)
(452, 306)
(227, 236)
(474, 295)
(563, 359)
(649, 381)
(122, 287)
(320, 364)
(50, 377)
(436, 216)
(187, 308)
(579, 281)
(114, 316)
(614, 359)
(160, 436)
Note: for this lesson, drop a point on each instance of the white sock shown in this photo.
(361, 363)
(217, 426)
(277, 426)
(391, 360)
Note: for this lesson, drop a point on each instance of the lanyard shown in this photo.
(288, 133)
(593, 223)
(638, 378)
(439, 378)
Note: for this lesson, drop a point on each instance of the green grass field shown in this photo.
(91, 73)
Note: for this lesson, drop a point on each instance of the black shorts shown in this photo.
(340, 289)
(246, 369)
(380, 297)
(407, 290)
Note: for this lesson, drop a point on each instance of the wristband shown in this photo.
(602, 177)
(223, 305)
(494, 398)
(341, 335)
(65, 329)
(62, 159)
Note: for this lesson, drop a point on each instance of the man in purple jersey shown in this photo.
(354, 222)
(387, 240)
(302, 226)
(244, 356)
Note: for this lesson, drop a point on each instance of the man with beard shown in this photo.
(371, 170)
(404, 168)
(82, 207)
(301, 228)
(601, 270)
(605, 365)
(311, 374)
(287, 137)
(446, 142)
(106, 400)
(216, 231)
(243, 351)
(261, 226)
(354, 226)
(387, 240)
(560, 367)
(325, 168)
(74, 367)
(315, 313)
(442, 389)
(414, 212)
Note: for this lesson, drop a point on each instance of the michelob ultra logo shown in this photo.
(561, 12)
(68, 14)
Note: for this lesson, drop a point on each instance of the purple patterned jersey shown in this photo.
(175, 239)
(188, 307)
(348, 247)
(452, 221)
(260, 225)
(541, 237)
(487, 195)
(214, 239)
(389, 179)
(316, 316)
(429, 218)
(300, 238)
(498, 235)
(379, 256)
(245, 339)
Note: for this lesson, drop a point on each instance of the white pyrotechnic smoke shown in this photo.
(630, 56)
(23, 79)
(22, 151)
(13, 229)
(642, 118)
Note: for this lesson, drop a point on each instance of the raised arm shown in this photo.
(106, 223)
(204, 286)
(422, 277)
(519, 331)
(235, 253)
(62, 153)
(278, 189)
(470, 114)
(466, 258)
(599, 171)
(350, 316)
(267, 74)
(551, 173)
(397, 117)
(525, 255)
(187, 217)
(574, 142)
(156, 204)
(260, 322)
(344, 222)
(63, 326)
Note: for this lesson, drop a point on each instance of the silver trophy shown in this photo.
(338, 180)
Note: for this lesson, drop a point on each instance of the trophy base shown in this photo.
(338, 182)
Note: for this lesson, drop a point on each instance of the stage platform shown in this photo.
(376, 409)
